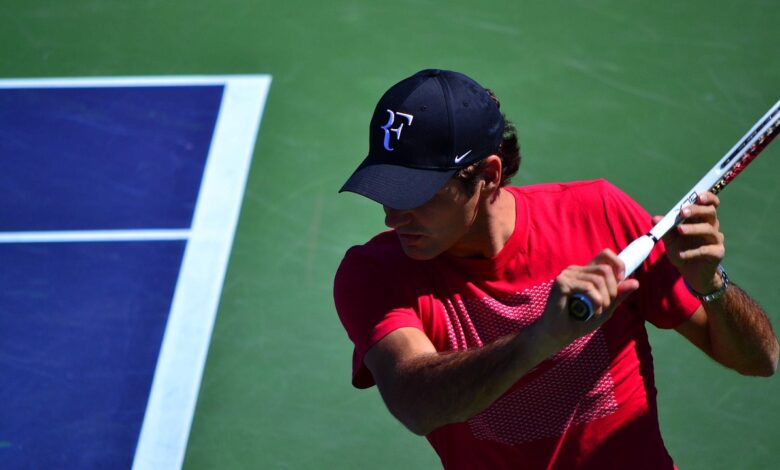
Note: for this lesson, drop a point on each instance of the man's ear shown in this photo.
(491, 174)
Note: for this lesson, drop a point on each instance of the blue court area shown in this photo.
(100, 186)
(81, 329)
(101, 158)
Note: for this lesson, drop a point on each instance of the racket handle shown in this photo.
(581, 307)
(637, 252)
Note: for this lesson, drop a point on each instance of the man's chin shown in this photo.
(418, 254)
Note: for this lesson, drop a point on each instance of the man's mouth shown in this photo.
(409, 238)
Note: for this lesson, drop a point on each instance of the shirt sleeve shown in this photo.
(371, 303)
(664, 300)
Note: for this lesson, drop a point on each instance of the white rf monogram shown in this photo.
(397, 130)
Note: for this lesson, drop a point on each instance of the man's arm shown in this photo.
(425, 389)
(734, 330)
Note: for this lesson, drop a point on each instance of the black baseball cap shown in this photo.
(423, 130)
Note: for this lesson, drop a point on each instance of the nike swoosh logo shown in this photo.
(458, 159)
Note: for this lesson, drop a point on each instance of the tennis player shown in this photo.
(459, 315)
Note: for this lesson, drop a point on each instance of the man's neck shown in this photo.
(493, 226)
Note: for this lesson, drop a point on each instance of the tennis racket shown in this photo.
(723, 173)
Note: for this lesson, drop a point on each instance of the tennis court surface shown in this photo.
(125, 195)
(101, 217)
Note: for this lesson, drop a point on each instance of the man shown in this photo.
(459, 312)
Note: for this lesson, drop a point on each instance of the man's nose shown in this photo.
(395, 218)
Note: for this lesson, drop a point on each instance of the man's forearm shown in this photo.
(741, 335)
(426, 389)
(432, 390)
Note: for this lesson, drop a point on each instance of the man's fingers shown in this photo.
(715, 252)
(609, 258)
(626, 288)
(697, 213)
(598, 280)
(606, 304)
(603, 285)
(708, 199)
(704, 230)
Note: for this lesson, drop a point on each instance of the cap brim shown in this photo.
(397, 187)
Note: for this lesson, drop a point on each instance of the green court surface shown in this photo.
(646, 94)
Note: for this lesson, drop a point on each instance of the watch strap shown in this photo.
(715, 295)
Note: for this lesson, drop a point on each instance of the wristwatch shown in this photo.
(712, 296)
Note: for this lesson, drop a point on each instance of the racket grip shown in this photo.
(636, 253)
(581, 307)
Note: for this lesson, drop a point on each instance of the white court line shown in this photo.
(163, 439)
(103, 82)
(63, 236)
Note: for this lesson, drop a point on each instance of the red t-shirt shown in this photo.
(592, 405)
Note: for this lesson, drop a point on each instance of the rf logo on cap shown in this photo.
(397, 131)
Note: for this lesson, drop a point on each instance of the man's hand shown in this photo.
(733, 330)
(602, 280)
(696, 246)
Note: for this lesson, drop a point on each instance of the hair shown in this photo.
(508, 151)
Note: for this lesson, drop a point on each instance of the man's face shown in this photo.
(441, 224)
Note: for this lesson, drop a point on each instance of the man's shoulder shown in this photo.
(594, 187)
(383, 244)
(578, 193)
(383, 251)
